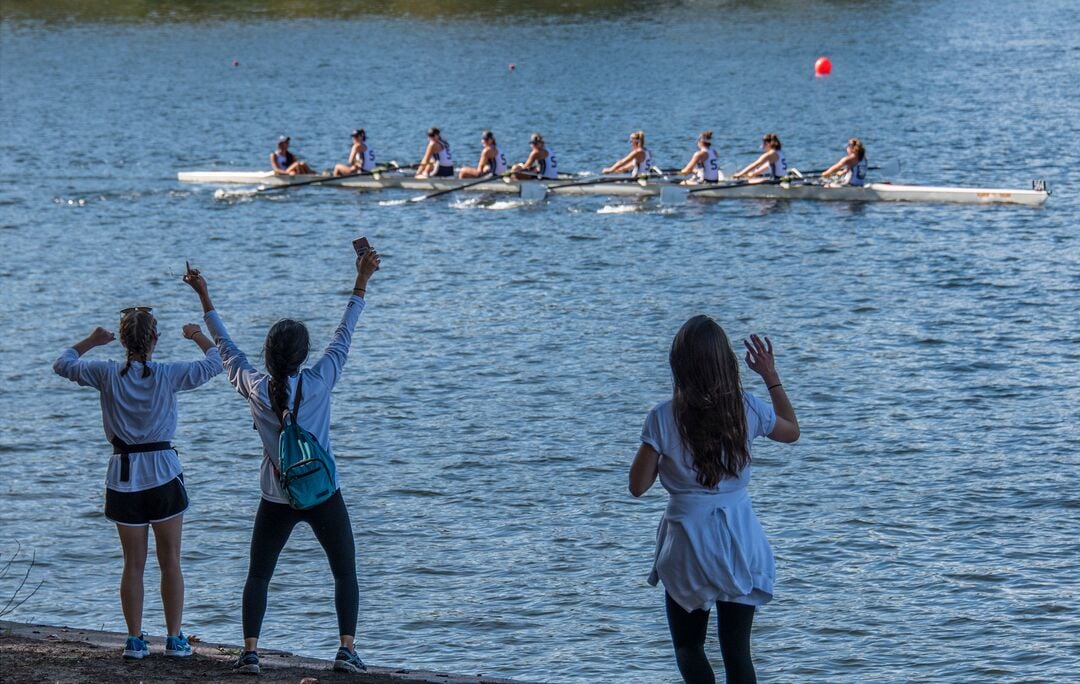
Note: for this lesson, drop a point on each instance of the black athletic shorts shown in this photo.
(444, 171)
(156, 504)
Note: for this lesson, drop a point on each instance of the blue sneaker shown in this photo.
(247, 663)
(136, 648)
(347, 661)
(177, 646)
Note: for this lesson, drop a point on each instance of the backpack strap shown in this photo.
(299, 393)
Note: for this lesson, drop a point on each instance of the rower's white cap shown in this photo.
(283, 138)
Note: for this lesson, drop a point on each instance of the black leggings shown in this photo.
(688, 632)
(273, 524)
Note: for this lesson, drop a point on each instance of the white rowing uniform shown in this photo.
(497, 165)
(777, 169)
(549, 167)
(444, 157)
(642, 168)
(708, 171)
(367, 159)
(856, 175)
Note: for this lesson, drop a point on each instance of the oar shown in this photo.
(439, 193)
(890, 168)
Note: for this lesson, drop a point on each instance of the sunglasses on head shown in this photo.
(133, 309)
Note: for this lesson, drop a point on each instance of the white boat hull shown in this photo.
(874, 192)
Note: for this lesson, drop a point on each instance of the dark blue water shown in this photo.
(925, 526)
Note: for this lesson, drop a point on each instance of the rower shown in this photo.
(851, 169)
(361, 157)
(492, 160)
(285, 162)
(437, 161)
(770, 166)
(704, 164)
(540, 164)
(638, 162)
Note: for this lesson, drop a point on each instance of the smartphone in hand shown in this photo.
(361, 245)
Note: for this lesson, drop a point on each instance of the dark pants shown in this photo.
(688, 632)
(273, 524)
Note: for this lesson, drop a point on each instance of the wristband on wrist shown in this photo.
(361, 290)
(772, 387)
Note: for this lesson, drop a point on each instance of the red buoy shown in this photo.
(512, 66)
(822, 67)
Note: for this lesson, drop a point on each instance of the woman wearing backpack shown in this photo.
(271, 396)
(144, 484)
(710, 548)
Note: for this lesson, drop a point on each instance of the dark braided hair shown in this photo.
(138, 332)
(287, 346)
(707, 400)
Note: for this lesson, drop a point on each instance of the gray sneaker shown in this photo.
(347, 661)
(247, 663)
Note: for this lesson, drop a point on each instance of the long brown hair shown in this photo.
(707, 400)
(138, 332)
(287, 346)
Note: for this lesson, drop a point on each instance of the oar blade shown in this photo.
(533, 191)
(673, 194)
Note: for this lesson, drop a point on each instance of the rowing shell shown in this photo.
(625, 187)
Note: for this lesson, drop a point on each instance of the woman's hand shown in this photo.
(194, 278)
(100, 337)
(367, 264)
(760, 359)
(191, 330)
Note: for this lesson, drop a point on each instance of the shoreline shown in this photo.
(38, 653)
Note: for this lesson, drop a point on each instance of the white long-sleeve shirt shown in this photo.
(139, 410)
(319, 380)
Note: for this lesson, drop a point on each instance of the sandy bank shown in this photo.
(42, 653)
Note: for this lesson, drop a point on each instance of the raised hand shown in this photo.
(100, 337)
(760, 358)
(367, 264)
(191, 330)
(194, 278)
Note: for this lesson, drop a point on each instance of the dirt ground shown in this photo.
(41, 653)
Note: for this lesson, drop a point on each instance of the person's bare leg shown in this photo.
(133, 541)
(167, 537)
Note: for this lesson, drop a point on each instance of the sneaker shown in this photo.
(347, 661)
(248, 663)
(177, 646)
(136, 648)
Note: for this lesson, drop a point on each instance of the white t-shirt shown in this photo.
(139, 410)
(319, 380)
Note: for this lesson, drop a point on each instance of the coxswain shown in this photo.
(285, 162)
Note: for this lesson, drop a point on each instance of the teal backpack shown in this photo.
(305, 471)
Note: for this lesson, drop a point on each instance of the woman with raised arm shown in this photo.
(144, 483)
(704, 164)
(638, 162)
(851, 169)
(286, 386)
(710, 547)
(770, 165)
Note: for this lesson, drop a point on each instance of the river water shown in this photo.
(926, 525)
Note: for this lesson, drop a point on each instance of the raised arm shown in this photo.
(330, 364)
(760, 359)
(242, 374)
(191, 374)
(87, 373)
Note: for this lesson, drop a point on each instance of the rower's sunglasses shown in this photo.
(133, 309)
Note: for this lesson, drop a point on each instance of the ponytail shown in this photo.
(138, 333)
(286, 349)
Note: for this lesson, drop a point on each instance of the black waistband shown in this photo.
(121, 447)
